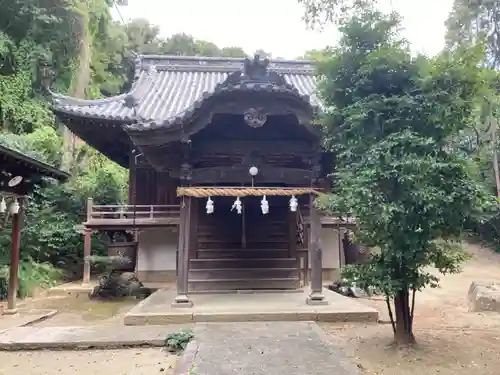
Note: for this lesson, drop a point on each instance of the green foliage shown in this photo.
(178, 341)
(393, 122)
(471, 22)
(32, 275)
(321, 12)
(106, 264)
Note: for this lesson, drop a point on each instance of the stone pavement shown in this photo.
(265, 348)
(101, 336)
(24, 318)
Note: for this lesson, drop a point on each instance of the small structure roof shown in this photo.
(14, 163)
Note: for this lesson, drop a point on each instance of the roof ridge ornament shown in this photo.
(256, 69)
(255, 72)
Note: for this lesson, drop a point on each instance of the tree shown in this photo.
(233, 52)
(317, 54)
(319, 12)
(470, 22)
(393, 122)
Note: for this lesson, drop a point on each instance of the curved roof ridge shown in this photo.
(225, 64)
(219, 58)
(61, 99)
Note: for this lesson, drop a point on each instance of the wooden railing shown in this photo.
(139, 212)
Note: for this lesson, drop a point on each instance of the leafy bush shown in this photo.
(106, 264)
(178, 341)
(31, 275)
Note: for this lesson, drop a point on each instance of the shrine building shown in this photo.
(224, 163)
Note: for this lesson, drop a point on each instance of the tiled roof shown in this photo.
(168, 87)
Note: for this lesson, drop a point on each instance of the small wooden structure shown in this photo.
(196, 132)
(19, 173)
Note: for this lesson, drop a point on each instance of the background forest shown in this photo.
(90, 55)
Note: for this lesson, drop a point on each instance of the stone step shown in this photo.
(265, 227)
(197, 285)
(232, 245)
(213, 224)
(262, 230)
(243, 273)
(229, 243)
(195, 264)
(236, 244)
(242, 253)
(253, 237)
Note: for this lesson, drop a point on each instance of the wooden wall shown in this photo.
(153, 187)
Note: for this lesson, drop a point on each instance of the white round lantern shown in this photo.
(253, 171)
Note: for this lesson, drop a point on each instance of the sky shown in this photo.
(276, 26)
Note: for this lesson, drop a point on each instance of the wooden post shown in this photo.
(292, 240)
(316, 297)
(292, 234)
(87, 250)
(182, 299)
(193, 242)
(15, 254)
(90, 203)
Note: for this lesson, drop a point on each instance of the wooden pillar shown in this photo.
(193, 241)
(15, 254)
(292, 234)
(182, 299)
(316, 297)
(87, 252)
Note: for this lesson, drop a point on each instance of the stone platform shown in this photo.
(72, 289)
(248, 307)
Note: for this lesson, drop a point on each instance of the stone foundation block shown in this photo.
(484, 296)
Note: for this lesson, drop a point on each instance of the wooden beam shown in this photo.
(292, 147)
(240, 174)
(235, 104)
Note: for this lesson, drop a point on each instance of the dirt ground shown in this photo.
(89, 362)
(80, 311)
(451, 340)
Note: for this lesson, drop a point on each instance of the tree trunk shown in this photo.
(493, 124)
(80, 80)
(403, 334)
